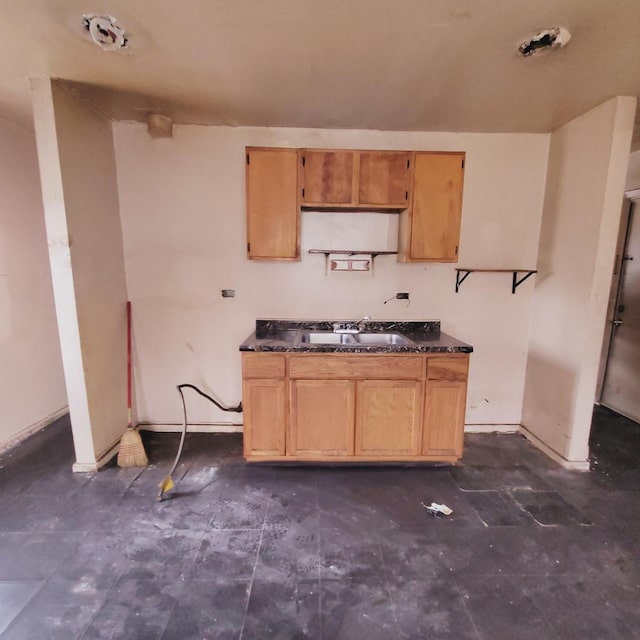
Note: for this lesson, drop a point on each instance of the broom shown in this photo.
(131, 452)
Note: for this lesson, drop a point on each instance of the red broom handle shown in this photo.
(128, 364)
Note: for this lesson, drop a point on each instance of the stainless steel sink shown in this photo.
(353, 339)
(381, 338)
(327, 337)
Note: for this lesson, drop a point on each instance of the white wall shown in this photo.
(77, 165)
(587, 167)
(32, 384)
(633, 172)
(183, 216)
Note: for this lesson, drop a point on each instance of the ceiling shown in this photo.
(415, 65)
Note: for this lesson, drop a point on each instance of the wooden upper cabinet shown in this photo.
(425, 186)
(273, 204)
(430, 229)
(328, 178)
(383, 178)
(355, 179)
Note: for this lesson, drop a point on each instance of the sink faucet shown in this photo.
(361, 325)
(351, 327)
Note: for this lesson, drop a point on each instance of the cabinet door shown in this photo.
(328, 178)
(443, 426)
(434, 219)
(264, 403)
(388, 418)
(444, 407)
(322, 418)
(383, 179)
(272, 204)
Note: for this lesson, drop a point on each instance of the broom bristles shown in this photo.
(131, 452)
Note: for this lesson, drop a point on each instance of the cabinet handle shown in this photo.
(247, 158)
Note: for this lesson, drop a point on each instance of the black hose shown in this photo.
(237, 409)
(167, 483)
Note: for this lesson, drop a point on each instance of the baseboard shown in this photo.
(573, 465)
(219, 427)
(468, 428)
(534, 440)
(101, 460)
(23, 434)
(491, 428)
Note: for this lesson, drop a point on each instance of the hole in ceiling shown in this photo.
(105, 32)
(548, 39)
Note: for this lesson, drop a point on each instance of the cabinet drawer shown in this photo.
(263, 365)
(451, 369)
(356, 366)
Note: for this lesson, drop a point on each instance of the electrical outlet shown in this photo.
(402, 295)
(228, 293)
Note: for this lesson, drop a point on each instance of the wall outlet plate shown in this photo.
(228, 293)
(402, 295)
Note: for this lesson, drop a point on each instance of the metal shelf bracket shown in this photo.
(462, 274)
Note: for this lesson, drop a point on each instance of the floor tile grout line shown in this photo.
(173, 609)
(24, 606)
(112, 586)
(467, 611)
(388, 586)
(320, 563)
(546, 623)
(255, 566)
(189, 570)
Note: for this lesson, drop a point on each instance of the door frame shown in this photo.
(626, 218)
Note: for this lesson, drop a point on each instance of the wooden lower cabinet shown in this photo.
(443, 425)
(388, 418)
(264, 417)
(444, 406)
(321, 418)
(321, 409)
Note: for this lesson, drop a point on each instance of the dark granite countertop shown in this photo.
(288, 335)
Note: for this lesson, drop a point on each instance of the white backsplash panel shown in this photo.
(362, 231)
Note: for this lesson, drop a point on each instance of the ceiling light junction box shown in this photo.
(545, 40)
(105, 32)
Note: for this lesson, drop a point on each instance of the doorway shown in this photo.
(621, 383)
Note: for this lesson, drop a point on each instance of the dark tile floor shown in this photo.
(530, 551)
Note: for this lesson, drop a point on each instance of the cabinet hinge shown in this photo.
(304, 160)
(247, 158)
